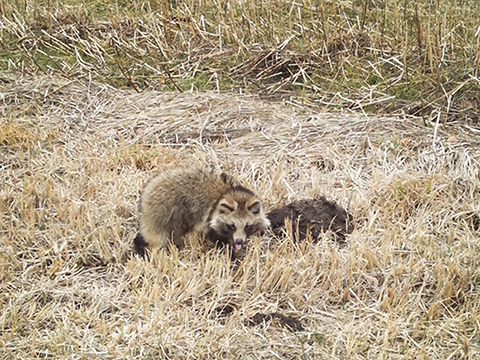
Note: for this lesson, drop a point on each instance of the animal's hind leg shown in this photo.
(178, 239)
(154, 238)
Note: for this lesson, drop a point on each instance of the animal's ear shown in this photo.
(255, 207)
(224, 177)
(225, 207)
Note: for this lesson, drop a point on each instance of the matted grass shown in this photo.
(74, 157)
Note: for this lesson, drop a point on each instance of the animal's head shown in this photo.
(237, 216)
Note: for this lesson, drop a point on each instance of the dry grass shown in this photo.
(74, 156)
(417, 57)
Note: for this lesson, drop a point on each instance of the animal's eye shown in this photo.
(225, 208)
(231, 227)
(255, 208)
(249, 230)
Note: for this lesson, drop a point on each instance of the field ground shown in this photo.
(75, 154)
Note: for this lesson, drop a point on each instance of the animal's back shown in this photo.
(178, 201)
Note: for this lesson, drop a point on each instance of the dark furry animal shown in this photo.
(179, 201)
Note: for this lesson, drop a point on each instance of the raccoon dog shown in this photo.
(180, 201)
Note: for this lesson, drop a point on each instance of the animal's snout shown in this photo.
(238, 243)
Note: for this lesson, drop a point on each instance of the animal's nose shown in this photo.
(239, 241)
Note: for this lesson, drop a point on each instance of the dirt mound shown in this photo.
(313, 216)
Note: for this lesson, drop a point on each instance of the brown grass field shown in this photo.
(74, 155)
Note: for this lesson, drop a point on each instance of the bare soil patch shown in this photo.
(310, 218)
(289, 322)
